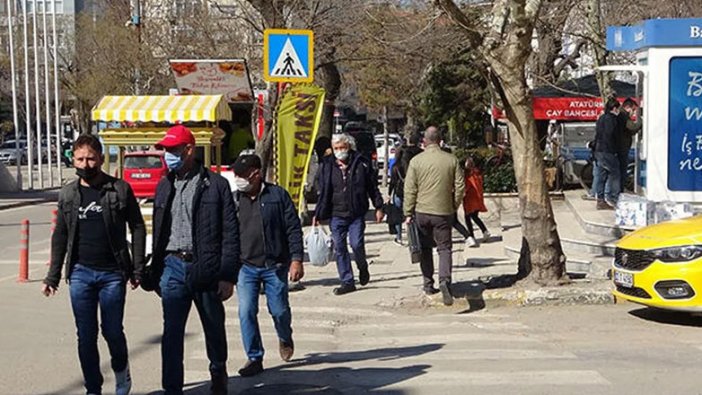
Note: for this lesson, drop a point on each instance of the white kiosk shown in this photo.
(669, 57)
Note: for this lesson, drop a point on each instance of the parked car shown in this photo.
(143, 170)
(380, 148)
(661, 266)
(9, 155)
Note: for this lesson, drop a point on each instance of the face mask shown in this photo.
(341, 155)
(88, 173)
(173, 161)
(242, 184)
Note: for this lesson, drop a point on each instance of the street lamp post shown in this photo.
(36, 93)
(57, 105)
(47, 103)
(27, 108)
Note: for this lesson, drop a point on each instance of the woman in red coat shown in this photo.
(473, 202)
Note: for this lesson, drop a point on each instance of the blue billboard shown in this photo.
(686, 32)
(685, 124)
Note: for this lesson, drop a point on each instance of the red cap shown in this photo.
(177, 135)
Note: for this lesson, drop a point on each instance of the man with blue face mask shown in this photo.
(195, 257)
(346, 182)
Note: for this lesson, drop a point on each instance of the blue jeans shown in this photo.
(275, 285)
(176, 299)
(90, 288)
(397, 202)
(608, 181)
(354, 229)
(596, 182)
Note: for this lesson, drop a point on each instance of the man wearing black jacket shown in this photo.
(196, 253)
(91, 238)
(271, 252)
(629, 125)
(608, 167)
(346, 182)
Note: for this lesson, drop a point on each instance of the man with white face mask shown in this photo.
(346, 182)
(271, 253)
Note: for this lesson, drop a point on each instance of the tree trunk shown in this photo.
(331, 82)
(507, 51)
(541, 257)
(597, 35)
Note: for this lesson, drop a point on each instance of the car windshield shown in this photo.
(142, 162)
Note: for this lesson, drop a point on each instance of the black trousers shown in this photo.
(469, 223)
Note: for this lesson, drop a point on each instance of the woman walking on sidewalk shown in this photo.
(473, 202)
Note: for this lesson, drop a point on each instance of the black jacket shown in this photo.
(215, 232)
(282, 231)
(606, 130)
(363, 184)
(120, 209)
(627, 128)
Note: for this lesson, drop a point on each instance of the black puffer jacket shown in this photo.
(215, 232)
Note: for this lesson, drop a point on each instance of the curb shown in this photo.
(508, 297)
(23, 204)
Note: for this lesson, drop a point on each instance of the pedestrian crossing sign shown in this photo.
(288, 55)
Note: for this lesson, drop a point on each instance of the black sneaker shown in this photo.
(344, 289)
(220, 383)
(363, 275)
(251, 368)
(446, 293)
(431, 291)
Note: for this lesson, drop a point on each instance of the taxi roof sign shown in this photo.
(288, 55)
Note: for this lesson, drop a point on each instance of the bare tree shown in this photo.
(506, 44)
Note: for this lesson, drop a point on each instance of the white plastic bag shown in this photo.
(319, 246)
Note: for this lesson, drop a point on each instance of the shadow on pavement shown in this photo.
(290, 379)
(667, 317)
(472, 291)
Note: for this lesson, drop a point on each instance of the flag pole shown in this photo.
(28, 107)
(57, 105)
(15, 117)
(37, 102)
(47, 102)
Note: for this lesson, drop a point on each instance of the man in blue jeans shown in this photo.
(606, 183)
(91, 238)
(346, 182)
(195, 256)
(271, 253)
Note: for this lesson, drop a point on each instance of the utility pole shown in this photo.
(386, 163)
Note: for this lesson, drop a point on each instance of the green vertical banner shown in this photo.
(299, 115)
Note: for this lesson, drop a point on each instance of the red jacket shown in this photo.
(473, 198)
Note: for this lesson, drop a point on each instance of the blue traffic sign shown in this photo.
(288, 55)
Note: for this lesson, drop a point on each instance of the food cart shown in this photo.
(146, 120)
(152, 116)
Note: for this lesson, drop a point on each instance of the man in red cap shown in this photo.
(195, 256)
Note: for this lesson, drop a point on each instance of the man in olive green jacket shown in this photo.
(434, 189)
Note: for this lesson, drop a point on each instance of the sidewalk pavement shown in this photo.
(10, 200)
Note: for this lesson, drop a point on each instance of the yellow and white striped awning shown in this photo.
(171, 109)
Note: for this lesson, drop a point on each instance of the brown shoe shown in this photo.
(602, 205)
(286, 350)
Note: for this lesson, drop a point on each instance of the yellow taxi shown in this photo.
(661, 265)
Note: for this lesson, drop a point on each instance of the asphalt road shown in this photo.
(373, 341)
(39, 217)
